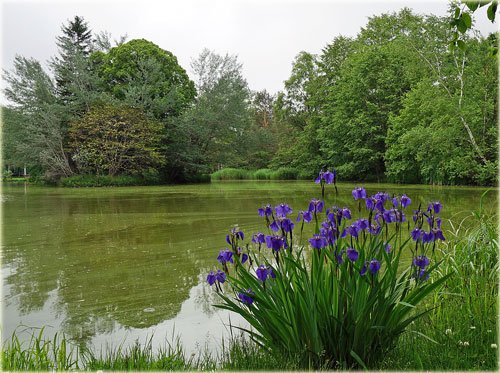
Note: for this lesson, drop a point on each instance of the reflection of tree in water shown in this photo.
(109, 265)
(205, 297)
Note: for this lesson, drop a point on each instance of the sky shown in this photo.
(265, 35)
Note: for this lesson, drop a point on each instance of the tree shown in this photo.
(72, 72)
(215, 127)
(40, 138)
(141, 74)
(115, 140)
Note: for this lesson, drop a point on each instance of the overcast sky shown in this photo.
(266, 35)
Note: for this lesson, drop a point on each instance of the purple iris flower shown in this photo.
(374, 266)
(306, 215)
(318, 242)
(235, 232)
(262, 273)
(379, 205)
(329, 177)
(316, 205)
(375, 229)
(274, 226)
(346, 213)
(422, 274)
(395, 202)
(359, 193)
(225, 256)
(320, 176)
(211, 278)
(389, 216)
(233, 235)
(329, 232)
(416, 234)
(271, 272)
(265, 210)
(340, 259)
(275, 242)
(370, 203)
(363, 270)
(438, 234)
(387, 248)
(362, 224)
(436, 206)
(352, 254)
(405, 201)
(245, 297)
(287, 225)
(428, 237)
(421, 261)
(244, 258)
(353, 230)
(283, 209)
(220, 276)
(258, 238)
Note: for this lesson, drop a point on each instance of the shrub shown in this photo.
(103, 181)
(285, 173)
(342, 301)
(263, 174)
(231, 174)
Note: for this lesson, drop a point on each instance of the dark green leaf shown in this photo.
(461, 26)
(472, 5)
(467, 19)
(491, 12)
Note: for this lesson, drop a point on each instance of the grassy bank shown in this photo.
(41, 354)
(461, 328)
(284, 173)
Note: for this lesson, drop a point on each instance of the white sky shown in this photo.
(266, 35)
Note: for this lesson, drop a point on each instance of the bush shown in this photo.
(285, 173)
(263, 174)
(342, 304)
(231, 174)
(103, 181)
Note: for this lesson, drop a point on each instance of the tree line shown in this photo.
(395, 103)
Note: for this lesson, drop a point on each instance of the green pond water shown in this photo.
(112, 265)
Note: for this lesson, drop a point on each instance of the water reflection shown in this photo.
(106, 264)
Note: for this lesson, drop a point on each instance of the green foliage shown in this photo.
(35, 122)
(263, 174)
(461, 20)
(79, 181)
(214, 130)
(463, 321)
(39, 354)
(394, 103)
(142, 74)
(111, 140)
(325, 312)
(284, 173)
(231, 174)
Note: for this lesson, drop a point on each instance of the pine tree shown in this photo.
(71, 68)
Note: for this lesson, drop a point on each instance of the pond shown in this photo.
(108, 266)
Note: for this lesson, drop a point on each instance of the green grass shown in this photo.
(283, 173)
(104, 181)
(41, 354)
(231, 174)
(463, 323)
